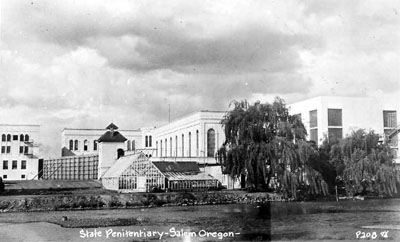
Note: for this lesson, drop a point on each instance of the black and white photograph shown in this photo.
(199, 120)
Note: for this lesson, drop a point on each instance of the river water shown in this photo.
(303, 221)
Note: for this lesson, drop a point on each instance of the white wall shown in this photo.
(31, 158)
(357, 112)
(199, 122)
(108, 155)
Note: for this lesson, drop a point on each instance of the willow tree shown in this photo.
(365, 165)
(263, 141)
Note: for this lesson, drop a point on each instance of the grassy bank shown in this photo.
(58, 202)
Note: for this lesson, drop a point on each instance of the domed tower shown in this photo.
(111, 147)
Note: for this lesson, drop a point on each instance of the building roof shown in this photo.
(122, 164)
(179, 176)
(180, 167)
(112, 126)
(66, 152)
(112, 136)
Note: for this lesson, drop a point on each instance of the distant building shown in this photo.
(337, 117)
(19, 151)
(85, 141)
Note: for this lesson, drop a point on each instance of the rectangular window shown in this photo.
(334, 117)
(5, 164)
(314, 135)
(150, 144)
(22, 176)
(21, 149)
(15, 137)
(313, 119)
(14, 164)
(3, 149)
(8, 149)
(4, 176)
(133, 145)
(335, 134)
(23, 164)
(146, 141)
(26, 151)
(389, 119)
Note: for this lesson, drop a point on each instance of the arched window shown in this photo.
(133, 145)
(26, 137)
(166, 148)
(76, 144)
(183, 145)
(210, 143)
(128, 145)
(3, 137)
(170, 146)
(85, 145)
(71, 144)
(21, 138)
(146, 141)
(150, 143)
(120, 153)
(94, 144)
(197, 143)
(190, 144)
(161, 148)
(156, 148)
(176, 146)
(8, 137)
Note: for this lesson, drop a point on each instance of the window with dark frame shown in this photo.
(14, 165)
(314, 126)
(334, 117)
(15, 137)
(389, 119)
(5, 164)
(23, 164)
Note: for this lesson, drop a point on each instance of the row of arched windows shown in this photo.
(131, 145)
(15, 137)
(164, 147)
(148, 141)
(74, 145)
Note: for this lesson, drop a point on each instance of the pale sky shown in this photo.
(84, 64)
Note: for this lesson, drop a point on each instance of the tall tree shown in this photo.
(264, 142)
(365, 164)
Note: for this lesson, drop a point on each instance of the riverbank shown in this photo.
(59, 202)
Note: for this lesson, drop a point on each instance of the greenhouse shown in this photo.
(136, 173)
(133, 173)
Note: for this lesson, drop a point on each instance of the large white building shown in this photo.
(337, 117)
(19, 151)
(196, 138)
(85, 141)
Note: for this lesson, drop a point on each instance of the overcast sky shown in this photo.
(83, 64)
